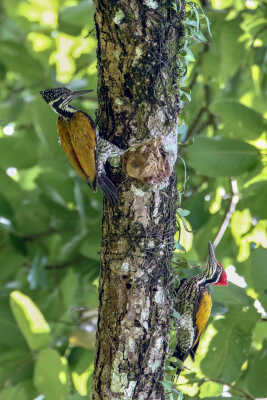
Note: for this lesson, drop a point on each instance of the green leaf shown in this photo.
(30, 320)
(198, 35)
(73, 19)
(76, 396)
(257, 372)
(254, 199)
(210, 389)
(222, 157)
(260, 333)
(229, 348)
(38, 275)
(51, 375)
(6, 210)
(68, 287)
(183, 212)
(178, 246)
(72, 245)
(90, 247)
(239, 121)
(18, 152)
(82, 370)
(232, 296)
(10, 109)
(21, 391)
(57, 187)
(227, 51)
(11, 262)
(44, 121)
(10, 360)
(17, 58)
(80, 200)
(258, 274)
(12, 337)
(222, 397)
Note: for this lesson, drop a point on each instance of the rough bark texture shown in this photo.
(138, 47)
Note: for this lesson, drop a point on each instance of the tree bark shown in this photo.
(138, 61)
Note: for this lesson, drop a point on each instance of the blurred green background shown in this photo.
(50, 221)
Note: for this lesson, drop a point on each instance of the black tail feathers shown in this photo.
(180, 359)
(108, 188)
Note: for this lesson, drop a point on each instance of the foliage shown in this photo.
(50, 221)
(222, 142)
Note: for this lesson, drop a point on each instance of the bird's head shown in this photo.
(59, 99)
(214, 272)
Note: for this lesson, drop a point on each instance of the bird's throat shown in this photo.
(65, 112)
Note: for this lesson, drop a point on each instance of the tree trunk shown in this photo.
(138, 50)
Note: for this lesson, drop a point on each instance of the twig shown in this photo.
(194, 125)
(198, 64)
(65, 264)
(229, 212)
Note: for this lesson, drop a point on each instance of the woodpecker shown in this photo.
(193, 304)
(86, 150)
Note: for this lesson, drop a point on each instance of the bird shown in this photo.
(79, 138)
(193, 303)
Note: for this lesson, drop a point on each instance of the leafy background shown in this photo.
(50, 221)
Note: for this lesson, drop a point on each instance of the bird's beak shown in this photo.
(79, 93)
(75, 94)
(212, 253)
(211, 261)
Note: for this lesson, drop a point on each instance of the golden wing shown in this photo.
(83, 139)
(66, 144)
(202, 317)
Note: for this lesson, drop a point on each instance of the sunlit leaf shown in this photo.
(30, 320)
(257, 371)
(51, 375)
(258, 274)
(229, 347)
(239, 121)
(253, 199)
(82, 369)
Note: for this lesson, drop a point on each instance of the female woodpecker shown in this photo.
(77, 133)
(193, 304)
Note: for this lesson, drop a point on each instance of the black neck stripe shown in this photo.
(63, 111)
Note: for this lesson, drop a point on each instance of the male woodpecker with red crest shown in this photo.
(193, 304)
(86, 150)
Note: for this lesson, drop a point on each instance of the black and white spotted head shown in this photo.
(59, 99)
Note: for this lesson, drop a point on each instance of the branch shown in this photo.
(192, 129)
(65, 264)
(198, 65)
(229, 212)
(195, 126)
(36, 236)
